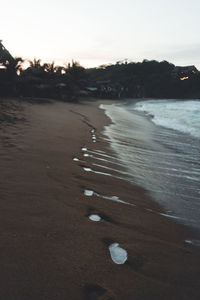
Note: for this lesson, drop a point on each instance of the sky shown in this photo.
(96, 32)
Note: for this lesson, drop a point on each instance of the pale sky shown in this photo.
(96, 32)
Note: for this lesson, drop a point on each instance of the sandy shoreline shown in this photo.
(49, 248)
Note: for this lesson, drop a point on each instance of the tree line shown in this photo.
(150, 79)
(42, 79)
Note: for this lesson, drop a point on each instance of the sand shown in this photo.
(49, 248)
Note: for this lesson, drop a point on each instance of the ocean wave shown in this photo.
(183, 116)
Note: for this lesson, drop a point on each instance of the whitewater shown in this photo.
(179, 115)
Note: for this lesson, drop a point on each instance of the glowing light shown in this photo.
(25, 65)
(184, 78)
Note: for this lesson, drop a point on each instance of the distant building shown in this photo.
(183, 73)
(107, 89)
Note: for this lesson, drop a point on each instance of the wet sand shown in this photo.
(49, 247)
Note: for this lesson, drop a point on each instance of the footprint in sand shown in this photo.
(95, 292)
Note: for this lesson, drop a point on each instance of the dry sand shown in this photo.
(49, 249)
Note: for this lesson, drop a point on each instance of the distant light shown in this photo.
(184, 78)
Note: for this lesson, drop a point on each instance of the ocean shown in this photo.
(158, 142)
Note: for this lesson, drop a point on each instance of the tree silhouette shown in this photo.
(35, 63)
(15, 65)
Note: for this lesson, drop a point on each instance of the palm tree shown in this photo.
(14, 68)
(35, 63)
(76, 72)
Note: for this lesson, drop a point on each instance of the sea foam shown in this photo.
(118, 254)
(179, 115)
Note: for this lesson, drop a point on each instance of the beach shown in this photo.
(49, 248)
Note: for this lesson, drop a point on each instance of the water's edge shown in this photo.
(146, 167)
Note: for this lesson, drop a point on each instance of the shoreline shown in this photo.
(50, 248)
